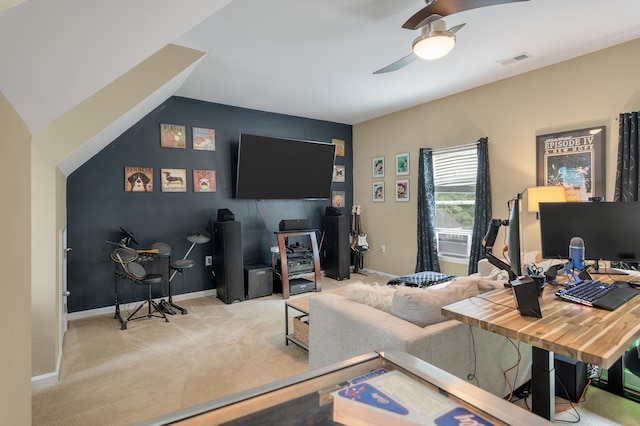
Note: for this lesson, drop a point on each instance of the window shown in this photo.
(454, 174)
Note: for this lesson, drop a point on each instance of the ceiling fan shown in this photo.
(435, 40)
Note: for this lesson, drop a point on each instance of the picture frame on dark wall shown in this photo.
(204, 181)
(203, 139)
(402, 190)
(402, 164)
(340, 144)
(377, 166)
(337, 199)
(378, 191)
(338, 173)
(173, 180)
(573, 159)
(138, 179)
(173, 136)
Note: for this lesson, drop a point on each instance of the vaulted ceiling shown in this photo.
(305, 58)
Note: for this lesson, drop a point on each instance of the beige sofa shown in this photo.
(341, 328)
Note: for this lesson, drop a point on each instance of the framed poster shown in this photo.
(377, 165)
(339, 143)
(173, 136)
(402, 164)
(337, 199)
(138, 179)
(203, 139)
(174, 180)
(573, 159)
(338, 174)
(378, 191)
(204, 181)
(402, 190)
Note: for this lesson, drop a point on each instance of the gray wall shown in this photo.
(98, 205)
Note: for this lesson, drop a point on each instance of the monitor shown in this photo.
(513, 238)
(283, 169)
(610, 230)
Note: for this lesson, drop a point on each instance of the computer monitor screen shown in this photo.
(610, 230)
(513, 238)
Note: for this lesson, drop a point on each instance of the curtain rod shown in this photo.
(457, 147)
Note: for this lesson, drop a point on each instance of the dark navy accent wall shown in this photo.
(98, 205)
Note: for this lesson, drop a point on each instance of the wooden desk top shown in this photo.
(591, 335)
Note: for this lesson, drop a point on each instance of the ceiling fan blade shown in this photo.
(398, 64)
(455, 29)
(449, 7)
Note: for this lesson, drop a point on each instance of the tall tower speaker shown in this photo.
(336, 247)
(229, 267)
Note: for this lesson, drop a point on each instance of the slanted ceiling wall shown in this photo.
(98, 205)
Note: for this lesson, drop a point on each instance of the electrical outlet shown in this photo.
(382, 248)
(208, 260)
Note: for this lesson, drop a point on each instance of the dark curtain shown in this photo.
(627, 184)
(427, 259)
(482, 214)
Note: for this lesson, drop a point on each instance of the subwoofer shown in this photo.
(337, 251)
(229, 266)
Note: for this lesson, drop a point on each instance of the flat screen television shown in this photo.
(610, 230)
(283, 169)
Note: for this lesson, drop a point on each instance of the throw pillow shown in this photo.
(374, 295)
(421, 306)
(421, 279)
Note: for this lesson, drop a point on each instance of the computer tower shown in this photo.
(337, 251)
(570, 375)
(229, 266)
(258, 281)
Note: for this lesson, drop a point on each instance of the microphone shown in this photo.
(576, 253)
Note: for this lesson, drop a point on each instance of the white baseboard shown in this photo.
(48, 378)
(111, 309)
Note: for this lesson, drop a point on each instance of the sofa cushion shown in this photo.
(421, 306)
(374, 295)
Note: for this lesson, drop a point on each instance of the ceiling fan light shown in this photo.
(434, 45)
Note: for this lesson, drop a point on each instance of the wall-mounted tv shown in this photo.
(283, 169)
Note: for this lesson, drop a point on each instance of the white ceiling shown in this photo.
(308, 58)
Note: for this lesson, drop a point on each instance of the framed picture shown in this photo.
(338, 173)
(402, 164)
(378, 191)
(377, 165)
(138, 179)
(337, 199)
(203, 139)
(573, 159)
(402, 190)
(204, 181)
(173, 180)
(339, 143)
(173, 136)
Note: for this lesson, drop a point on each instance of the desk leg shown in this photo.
(615, 378)
(543, 384)
(286, 325)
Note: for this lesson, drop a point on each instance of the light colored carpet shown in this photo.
(119, 377)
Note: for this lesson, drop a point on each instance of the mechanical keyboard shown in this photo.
(598, 294)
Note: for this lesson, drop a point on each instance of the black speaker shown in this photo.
(225, 215)
(295, 224)
(337, 251)
(258, 281)
(525, 291)
(228, 265)
(570, 375)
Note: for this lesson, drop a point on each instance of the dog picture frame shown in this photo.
(204, 181)
(338, 173)
(203, 139)
(138, 179)
(173, 180)
(173, 136)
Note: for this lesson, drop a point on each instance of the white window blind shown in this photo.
(455, 170)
